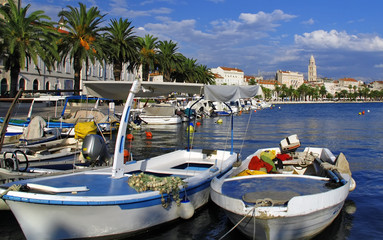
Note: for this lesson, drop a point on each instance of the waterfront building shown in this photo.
(269, 84)
(62, 77)
(376, 85)
(312, 70)
(347, 82)
(156, 77)
(249, 79)
(289, 78)
(229, 76)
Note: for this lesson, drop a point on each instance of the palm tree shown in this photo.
(277, 89)
(290, 93)
(147, 54)
(365, 92)
(322, 91)
(266, 92)
(205, 75)
(191, 72)
(83, 41)
(303, 90)
(123, 46)
(169, 59)
(284, 90)
(187, 72)
(25, 38)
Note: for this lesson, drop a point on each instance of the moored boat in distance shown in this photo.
(295, 201)
(160, 114)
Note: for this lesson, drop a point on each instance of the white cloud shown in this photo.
(309, 22)
(121, 8)
(265, 18)
(321, 39)
(378, 65)
(222, 33)
(179, 31)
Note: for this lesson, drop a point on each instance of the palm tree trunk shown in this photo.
(15, 71)
(145, 72)
(117, 69)
(166, 77)
(77, 72)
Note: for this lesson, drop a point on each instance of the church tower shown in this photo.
(312, 70)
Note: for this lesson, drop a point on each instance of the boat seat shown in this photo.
(177, 172)
(278, 197)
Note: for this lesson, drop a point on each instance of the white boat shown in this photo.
(263, 104)
(297, 202)
(201, 108)
(105, 202)
(82, 110)
(160, 114)
(63, 153)
(35, 133)
(221, 109)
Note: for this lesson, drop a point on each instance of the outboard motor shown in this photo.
(95, 151)
(290, 144)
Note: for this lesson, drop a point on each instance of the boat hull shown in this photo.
(280, 206)
(67, 221)
(297, 227)
(94, 204)
(161, 120)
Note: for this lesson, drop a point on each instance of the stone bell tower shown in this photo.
(312, 70)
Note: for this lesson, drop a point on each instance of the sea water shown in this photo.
(341, 127)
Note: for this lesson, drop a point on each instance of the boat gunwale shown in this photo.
(276, 211)
(62, 199)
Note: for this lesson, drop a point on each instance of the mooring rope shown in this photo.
(236, 225)
(259, 203)
(245, 133)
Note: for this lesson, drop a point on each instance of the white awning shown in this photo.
(119, 90)
(225, 93)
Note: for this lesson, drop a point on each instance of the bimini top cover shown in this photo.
(119, 90)
(226, 93)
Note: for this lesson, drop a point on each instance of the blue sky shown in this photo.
(258, 36)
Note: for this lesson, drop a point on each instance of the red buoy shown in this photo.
(126, 155)
(149, 135)
(129, 136)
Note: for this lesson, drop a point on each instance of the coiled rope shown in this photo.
(14, 187)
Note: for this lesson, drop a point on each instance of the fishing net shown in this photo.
(165, 185)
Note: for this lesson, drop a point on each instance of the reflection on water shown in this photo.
(342, 225)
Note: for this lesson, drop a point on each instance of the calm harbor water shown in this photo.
(338, 127)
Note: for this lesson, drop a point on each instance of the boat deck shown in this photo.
(98, 184)
(279, 189)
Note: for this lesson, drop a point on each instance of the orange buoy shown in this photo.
(148, 134)
(255, 110)
(129, 136)
(126, 155)
(198, 123)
